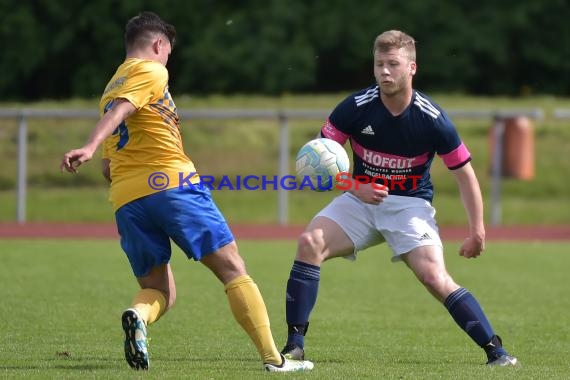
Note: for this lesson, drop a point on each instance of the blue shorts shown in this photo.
(187, 215)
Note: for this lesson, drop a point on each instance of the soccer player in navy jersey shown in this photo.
(395, 132)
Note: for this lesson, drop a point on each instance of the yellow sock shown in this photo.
(250, 312)
(150, 303)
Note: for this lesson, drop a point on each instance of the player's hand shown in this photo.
(472, 247)
(371, 193)
(74, 158)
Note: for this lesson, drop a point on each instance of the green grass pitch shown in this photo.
(61, 303)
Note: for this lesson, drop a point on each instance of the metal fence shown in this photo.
(282, 117)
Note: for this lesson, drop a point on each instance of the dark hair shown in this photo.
(139, 27)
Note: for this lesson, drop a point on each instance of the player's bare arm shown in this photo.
(472, 200)
(106, 125)
(371, 193)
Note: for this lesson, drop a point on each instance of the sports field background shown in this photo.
(62, 301)
(66, 281)
(244, 147)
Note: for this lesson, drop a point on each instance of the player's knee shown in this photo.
(431, 280)
(311, 244)
(434, 280)
(226, 263)
(233, 259)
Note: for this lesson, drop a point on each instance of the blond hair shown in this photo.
(396, 39)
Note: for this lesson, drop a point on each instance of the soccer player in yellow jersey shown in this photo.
(140, 130)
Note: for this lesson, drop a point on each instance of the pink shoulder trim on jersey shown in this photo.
(456, 157)
(329, 131)
(386, 160)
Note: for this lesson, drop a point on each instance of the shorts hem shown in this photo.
(149, 269)
(396, 257)
(214, 249)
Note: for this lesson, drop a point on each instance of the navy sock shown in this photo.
(302, 289)
(469, 315)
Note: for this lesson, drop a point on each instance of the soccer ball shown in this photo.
(319, 161)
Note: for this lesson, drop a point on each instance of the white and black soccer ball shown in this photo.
(321, 160)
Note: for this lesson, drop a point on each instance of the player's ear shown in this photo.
(157, 45)
(413, 68)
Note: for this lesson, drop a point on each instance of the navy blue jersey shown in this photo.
(396, 151)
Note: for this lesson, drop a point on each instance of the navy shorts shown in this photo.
(187, 215)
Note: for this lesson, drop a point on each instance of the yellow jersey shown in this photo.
(148, 141)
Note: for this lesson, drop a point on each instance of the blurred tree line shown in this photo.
(70, 48)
